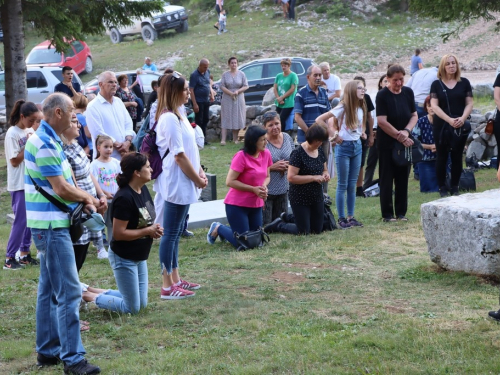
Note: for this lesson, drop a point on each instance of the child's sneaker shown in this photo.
(102, 253)
(27, 260)
(12, 264)
(175, 292)
(186, 285)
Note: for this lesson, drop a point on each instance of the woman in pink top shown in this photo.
(248, 178)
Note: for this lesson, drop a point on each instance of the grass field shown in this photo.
(362, 301)
(365, 300)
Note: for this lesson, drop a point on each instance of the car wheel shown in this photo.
(115, 36)
(88, 65)
(183, 27)
(148, 33)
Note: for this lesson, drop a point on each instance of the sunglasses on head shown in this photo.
(269, 115)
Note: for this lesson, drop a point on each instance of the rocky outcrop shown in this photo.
(463, 232)
(253, 117)
(481, 145)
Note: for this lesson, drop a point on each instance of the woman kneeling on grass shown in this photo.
(133, 232)
(351, 119)
(248, 178)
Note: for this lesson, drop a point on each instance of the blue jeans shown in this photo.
(348, 162)
(428, 179)
(174, 217)
(241, 219)
(132, 279)
(59, 294)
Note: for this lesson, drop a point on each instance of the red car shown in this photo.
(78, 56)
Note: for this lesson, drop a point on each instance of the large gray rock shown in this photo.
(269, 97)
(476, 148)
(463, 233)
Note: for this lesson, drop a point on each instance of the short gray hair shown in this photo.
(103, 75)
(53, 101)
(324, 64)
(310, 69)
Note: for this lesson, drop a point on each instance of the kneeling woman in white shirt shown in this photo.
(349, 128)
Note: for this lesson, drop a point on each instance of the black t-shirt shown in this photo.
(398, 108)
(456, 98)
(497, 84)
(139, 211)
(312, 192)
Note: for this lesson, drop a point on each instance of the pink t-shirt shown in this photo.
(253, 171)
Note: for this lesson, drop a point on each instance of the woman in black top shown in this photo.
(496, 127)
(307, 172)
(396, 117)
(451, 101)
(133, 216)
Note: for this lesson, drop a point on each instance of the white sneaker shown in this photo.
(102, 254)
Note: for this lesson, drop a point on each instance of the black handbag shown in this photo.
(251, 239)
(467, 180)
(404, 156)
(75, 216)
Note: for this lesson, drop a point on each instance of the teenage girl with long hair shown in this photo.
(349, 127)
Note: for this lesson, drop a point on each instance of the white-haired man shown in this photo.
(106, 114)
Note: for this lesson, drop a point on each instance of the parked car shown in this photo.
(172, 17)
(147, 77)
(40, 81)
(77, 55)
(262, 73)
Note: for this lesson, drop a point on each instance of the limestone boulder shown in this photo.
(463, 232)
(269, 98)
(476, 148)
(483, 90)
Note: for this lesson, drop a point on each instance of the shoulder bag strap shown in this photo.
(50, 198)
(446, 94)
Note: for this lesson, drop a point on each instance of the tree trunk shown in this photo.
(13, 44)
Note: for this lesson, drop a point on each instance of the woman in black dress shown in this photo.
(396, 117)
(451, 101)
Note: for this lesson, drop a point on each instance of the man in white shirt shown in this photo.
(332, 82)
(420, 82)
(106, 114)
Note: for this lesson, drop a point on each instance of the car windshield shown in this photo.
(43, 56)
(146, 79)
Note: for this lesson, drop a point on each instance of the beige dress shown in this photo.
(233, 112)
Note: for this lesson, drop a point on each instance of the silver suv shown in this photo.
(41, 82)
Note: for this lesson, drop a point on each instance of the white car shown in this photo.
(172, 17)
(40, 81)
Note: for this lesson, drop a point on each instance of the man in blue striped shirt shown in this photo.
(59, 290)
(311, 101)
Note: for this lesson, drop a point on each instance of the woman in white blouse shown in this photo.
(181, 179)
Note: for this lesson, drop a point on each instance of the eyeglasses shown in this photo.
(361, 88)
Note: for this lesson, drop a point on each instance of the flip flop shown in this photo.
(84, 327)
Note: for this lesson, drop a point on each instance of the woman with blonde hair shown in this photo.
(348, 130)
(451, 101)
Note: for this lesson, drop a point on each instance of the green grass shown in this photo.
(366, 300)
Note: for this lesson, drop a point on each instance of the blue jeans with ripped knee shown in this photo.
(174, 216)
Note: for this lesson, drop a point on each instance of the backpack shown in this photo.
(141, 133)
(150, 149)
(329, 222)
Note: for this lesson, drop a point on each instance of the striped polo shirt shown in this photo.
(310, 106)
(44, 157)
